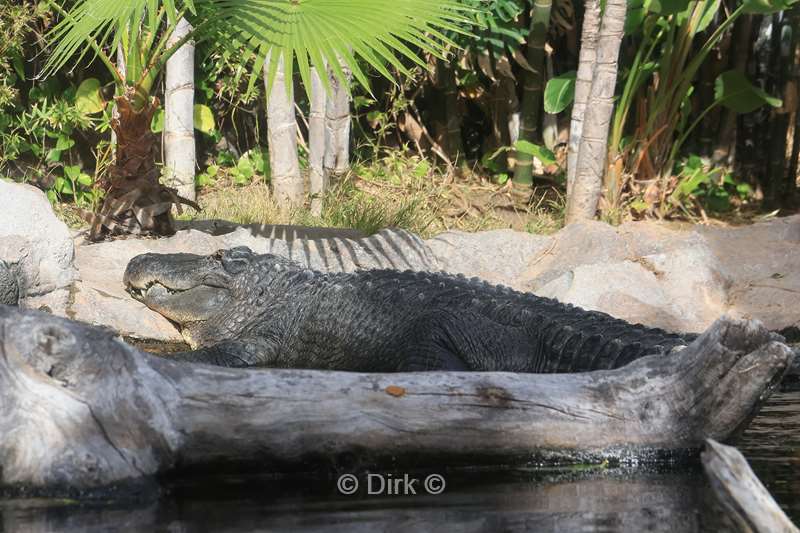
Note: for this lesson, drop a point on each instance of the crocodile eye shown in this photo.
(234, 263)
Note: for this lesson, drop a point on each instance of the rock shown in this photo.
(9, 285)
(761, 261)
(100, 298)
(629, 291)
(498, 256)
(34, 242)
(647, 272)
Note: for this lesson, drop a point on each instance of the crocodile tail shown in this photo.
(587, 340)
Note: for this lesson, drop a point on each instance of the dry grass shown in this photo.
(395, 191)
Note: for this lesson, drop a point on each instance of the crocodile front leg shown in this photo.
(234, 353)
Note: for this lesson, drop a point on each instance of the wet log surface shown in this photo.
(80, 409)
(741, 493)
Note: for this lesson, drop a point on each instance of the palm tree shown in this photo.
(287, 182)
(587, 186)
(583, 85)
(179, 142)
(301, 35)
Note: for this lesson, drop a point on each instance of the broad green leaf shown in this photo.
(422, 169)
(64, 143)
(88, 99)
(635, 16)
(719, 200)
(766, 7)
(559, 92)
(157, 124)
(244, 171)
(203, 118)
(53, 156)
(63, 186)
(667, 7)
(710, 12)
(539, 152)
(85, 179)
(733, 90)
(72, 171)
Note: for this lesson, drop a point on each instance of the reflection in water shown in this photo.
(519, 499)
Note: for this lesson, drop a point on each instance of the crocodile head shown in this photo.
(202, 294)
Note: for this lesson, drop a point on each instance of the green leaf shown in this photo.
(63, 186)
(64, 143)
(744, 190)
(88, 99)
(733, 90)
(53, 156)
(203, 118)
(422, 169)
(667, 7)
(85, 180)
(635, 16)
(559, 92)
(72, 171)
(766, 7)
(539, 152)
(385, 35)
(710, 11)
(719, 200)
(244, 171)
(157, 124)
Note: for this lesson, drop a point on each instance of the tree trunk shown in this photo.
(179, 146)
(583, 86)
(738, 489)
(288, 188)
(135, 201)
(725, 151)
(780, 60)
(337, 127)
(317, 177)
(79, 409)
(593, 147)
(446, 76)
(533, 89)
(716, 64)
(792, 99)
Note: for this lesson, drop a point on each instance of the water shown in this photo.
(674, 499)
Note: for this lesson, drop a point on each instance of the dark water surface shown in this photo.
(673, 499)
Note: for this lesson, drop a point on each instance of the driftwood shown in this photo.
(741, 493)
(79, 408)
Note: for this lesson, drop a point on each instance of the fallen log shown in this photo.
(741, 493)
(80, 409)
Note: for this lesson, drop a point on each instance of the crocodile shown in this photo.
(238, 308)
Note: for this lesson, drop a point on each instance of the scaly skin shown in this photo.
(243, 309)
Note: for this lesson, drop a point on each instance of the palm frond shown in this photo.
(305, 33)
